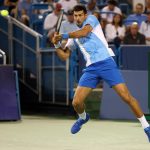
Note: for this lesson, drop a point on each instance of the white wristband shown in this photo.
(58, 45)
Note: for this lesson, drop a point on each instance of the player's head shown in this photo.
(80, 14)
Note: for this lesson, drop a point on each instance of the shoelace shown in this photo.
(79, 122)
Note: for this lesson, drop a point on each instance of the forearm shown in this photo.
(77, 34)
(63, 54)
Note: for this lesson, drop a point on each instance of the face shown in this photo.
(57, 12)
(139, 9)
(70, 18)
(111, 7)
(117, 18)
(148, 17)
(147, 2)
(79, 17)
(23, 12)
(92, 5)
(134, 29)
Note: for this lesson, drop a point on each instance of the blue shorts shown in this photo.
(106, 70)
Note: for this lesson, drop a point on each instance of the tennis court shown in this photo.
(50, 133)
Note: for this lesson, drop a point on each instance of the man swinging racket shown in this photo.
(99, 65)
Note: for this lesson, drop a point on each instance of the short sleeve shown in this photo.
(71, 45)
(91, 20)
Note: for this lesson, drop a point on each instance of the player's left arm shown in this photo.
(82, 32)
(76, 34)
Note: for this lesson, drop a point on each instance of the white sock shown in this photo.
(83, 115)
(144, 122)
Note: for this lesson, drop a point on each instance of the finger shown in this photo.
(58, 37)
(55, 40)
(56, 33)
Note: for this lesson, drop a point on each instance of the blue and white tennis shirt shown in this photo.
(94, 46)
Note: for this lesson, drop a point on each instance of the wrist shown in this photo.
(58, 45)
(65, 36)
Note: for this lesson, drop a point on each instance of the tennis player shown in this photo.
(99, 65)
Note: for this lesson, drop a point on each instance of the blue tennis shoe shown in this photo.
(78, 124)
(147, 131)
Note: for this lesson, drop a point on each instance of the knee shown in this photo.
(76, 102)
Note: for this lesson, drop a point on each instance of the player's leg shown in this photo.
(88, 81)
(114, 78)
(124, 93)
(79, 97)
(79, 106)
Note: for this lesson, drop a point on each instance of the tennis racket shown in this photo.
(59, 21)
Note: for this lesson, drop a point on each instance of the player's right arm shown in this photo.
(63, 53)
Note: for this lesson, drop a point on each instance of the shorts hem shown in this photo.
(116, 84)
(92, 87)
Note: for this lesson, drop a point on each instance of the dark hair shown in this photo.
(112, 2)
(98, 15)
(120, 22)
(70, 12)
(80, 8)
(140, 4)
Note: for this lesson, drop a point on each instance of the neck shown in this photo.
(134, 36)
(116, 24)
